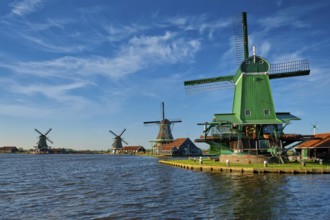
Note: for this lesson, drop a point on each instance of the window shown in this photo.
(247, 112)
(266, 112)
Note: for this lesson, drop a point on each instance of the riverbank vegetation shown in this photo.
(290, 165)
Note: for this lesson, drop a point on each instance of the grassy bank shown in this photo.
(211, 165)
(291, 165)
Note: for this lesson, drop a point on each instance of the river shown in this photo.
(138, 187)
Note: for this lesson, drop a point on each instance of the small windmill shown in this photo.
(42, 143)
(165, 131)
(117, 144)
(314, 128)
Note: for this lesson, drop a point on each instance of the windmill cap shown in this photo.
(254, 64)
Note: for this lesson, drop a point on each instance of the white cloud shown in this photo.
(57, 92)
(117, 34)
(139, 53)
(291, 16)
(18, 110)
(59, 47)
(264, 48)
(287, 57)
(201, 24)
(25, 7)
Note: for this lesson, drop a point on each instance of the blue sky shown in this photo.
(84, 67)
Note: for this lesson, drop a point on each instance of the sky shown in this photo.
(85, 67)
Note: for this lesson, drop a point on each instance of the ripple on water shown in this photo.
(128, 187)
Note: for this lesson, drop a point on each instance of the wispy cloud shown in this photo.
(202, 24)
(290, 17)
(66, 99)
(57, 92)
(57, 48)
(23, 110)
(139, 53)
(283, 18)
(24, 7)
(51, 35)
(287, 57)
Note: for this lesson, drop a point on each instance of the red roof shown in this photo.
(320, 140)
(176, 143)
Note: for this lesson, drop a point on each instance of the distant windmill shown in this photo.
(165, 132)
(42, 143)
(117, 144)
(314, 128)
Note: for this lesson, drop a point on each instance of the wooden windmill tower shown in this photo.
(42, 143)
(165, 131)
(253, 126)
(117, 144)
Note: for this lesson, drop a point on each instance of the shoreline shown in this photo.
(239, 169)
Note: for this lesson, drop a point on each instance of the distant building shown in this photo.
(315, 148)
(180, 147)
(8, 149)
(131, 150)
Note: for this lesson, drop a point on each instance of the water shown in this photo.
(134, 187)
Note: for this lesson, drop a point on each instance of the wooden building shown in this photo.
(180, 147)
(316, 148)
(8, 149)
(131, 150)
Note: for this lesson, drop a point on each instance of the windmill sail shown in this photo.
(289, 69)
(241, 38)
(209, 84)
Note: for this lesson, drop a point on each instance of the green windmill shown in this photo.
(253, 126)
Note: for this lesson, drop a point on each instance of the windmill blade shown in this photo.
(124, 141)
(289, 69)
(38, 131)
(113, 133)
(241, 37)
(208, 80)
(49, 140)
(163, 111)
(175, 121)
(122, 132)
(151, 122)
(314, 124)
(48, 131)
(208, 84)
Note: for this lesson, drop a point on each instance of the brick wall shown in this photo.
(245, 159)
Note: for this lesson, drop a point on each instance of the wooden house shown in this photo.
(132, 150)
(8, 149)
(180, 147)
(316, 148)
